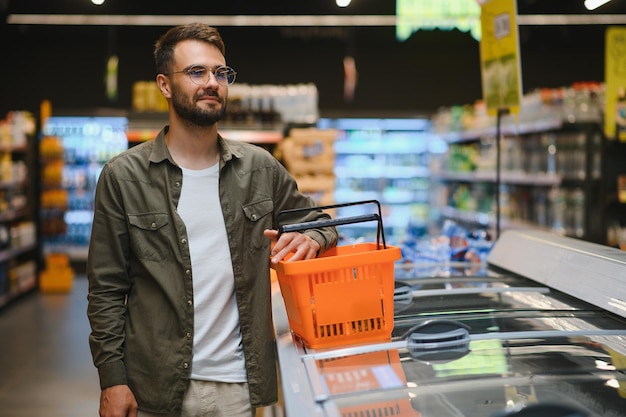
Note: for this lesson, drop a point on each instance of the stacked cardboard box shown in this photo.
(309, 154)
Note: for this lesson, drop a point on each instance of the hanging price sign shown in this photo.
(499, 56)
(615, 85)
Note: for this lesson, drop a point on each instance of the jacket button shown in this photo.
(253, 217)
(183, 241)
(185, 365)
(177, 184)
(153, 225)
(187, 272)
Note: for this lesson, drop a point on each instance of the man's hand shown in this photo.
(301, 245)
(118, 401)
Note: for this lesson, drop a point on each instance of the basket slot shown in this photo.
(364, 326)
(330, 330)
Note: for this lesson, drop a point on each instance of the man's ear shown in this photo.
(163, 85)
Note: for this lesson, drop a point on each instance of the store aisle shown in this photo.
(45, 364)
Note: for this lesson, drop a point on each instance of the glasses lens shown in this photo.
(198, 74)
(225, 75)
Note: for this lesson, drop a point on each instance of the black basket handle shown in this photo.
(297, 227)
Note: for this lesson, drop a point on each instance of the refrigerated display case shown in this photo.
(80, 146)
(384, 159)
(540, 329)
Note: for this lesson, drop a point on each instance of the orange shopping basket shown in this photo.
(344, 296)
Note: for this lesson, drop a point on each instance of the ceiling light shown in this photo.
(343, 3)
(98, 2)
(594, 4)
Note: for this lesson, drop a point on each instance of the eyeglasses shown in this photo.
(200, 75)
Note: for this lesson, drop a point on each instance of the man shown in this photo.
(178, 267)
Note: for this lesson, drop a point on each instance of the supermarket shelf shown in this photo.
(146, 126)
(13, 148)
(381, 171)
(486, 219)
(388, 222)
(19, 254)
(242, 135)
(384, 159)
(11, 253)
(384, 197)
(11, 214)
(555, 157)
(24, 285)
(11, 185)
(505, 177)
(381, 147)
(254, 136)
(508, 127)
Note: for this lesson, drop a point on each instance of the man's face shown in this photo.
(202, 105)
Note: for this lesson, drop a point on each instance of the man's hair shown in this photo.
(164, 47)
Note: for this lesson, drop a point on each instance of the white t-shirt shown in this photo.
(217, 351)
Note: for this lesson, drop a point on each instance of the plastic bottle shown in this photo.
(6, 167)
(578, 208)
(557, 209)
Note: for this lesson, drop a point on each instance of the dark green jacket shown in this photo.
(141, 306)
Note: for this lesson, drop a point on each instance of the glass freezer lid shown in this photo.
(503, 321)
(437, 295)
(494, 341)
(490, 376)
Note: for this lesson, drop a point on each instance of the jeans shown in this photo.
(213, 399)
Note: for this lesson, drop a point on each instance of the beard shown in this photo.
(187, 110)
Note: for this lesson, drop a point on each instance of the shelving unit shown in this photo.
(18, 228)
(385, 160)
(70, 175)
(269, 136)
(550, 178)
(614, 173)
(143, 126)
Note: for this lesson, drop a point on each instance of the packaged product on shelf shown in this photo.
(454, 243)
(18, 233)
(309, 155)
(6, 167)
(309, 151)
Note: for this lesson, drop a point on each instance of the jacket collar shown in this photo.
(159, 151)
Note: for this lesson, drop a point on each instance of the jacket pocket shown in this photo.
(258, 210)
(258, 218)
(148, 235)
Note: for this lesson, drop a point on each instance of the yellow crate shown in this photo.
(56, 280)
(58, 275)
